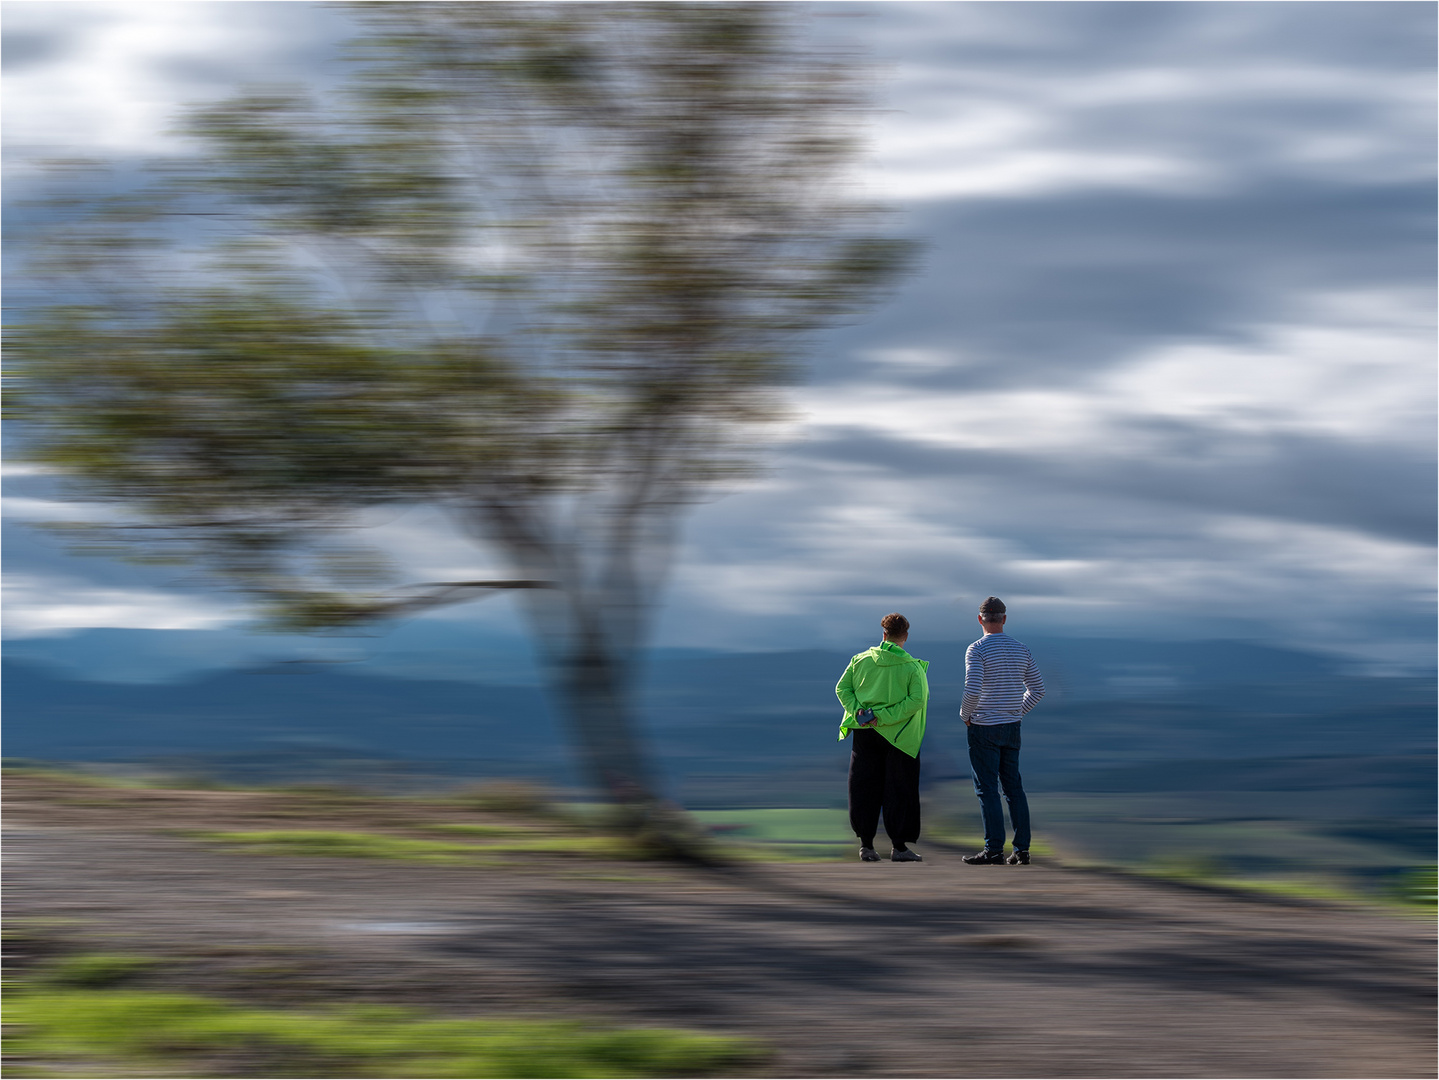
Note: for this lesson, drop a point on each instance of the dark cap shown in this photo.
(992, 605)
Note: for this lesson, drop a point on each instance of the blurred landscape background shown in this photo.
(1162, 376)
(1207, 759)
(694, 339)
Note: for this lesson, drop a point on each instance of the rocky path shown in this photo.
(845, 969)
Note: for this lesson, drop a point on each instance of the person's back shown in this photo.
(884, 691)
(1005, 677)
(886, 675)
(1001, 685)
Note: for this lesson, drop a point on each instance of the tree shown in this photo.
(543, 265)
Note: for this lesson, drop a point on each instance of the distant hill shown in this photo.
(1113, 706)
(283, 713)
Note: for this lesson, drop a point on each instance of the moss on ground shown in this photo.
(365, 845)
(57, 1029)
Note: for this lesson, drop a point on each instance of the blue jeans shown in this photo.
(994, 757)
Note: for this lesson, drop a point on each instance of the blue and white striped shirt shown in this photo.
(1001, 681)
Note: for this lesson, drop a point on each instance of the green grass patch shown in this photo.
(357, 845)
(341, 845)
(1298, 888)
(93, 1033)
(465, 829)
(1418, 886)
(779, 834)
(1413, 888)
(785, 825)
(811, 834)
(47, 771)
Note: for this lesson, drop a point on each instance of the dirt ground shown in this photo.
(844, 969)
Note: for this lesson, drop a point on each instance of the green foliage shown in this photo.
(541, 265)
(295, 323)
(93, 1033)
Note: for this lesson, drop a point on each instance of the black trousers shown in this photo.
(882, 778)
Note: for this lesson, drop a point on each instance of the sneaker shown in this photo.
(905, 856)
(984, 858)
(868, 854)
(1019, 858)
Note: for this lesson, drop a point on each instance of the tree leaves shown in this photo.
(545, 265)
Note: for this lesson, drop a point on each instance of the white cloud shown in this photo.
(948, 169)
(36, 606)
(849, 546)
(1360, 370)
(18, 470)
(971, 122)
(29, 508)
(116, 73)
(920, 360)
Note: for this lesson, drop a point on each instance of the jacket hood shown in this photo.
(892, 657)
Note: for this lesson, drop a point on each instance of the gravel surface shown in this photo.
(883, 969)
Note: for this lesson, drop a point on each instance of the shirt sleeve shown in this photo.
(1033, 687)
(844, 690)
(973, 683)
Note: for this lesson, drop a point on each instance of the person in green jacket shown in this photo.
(884, 692)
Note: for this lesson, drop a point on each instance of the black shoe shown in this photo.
(905, 856)
(868, 854)
(984, 858)
(1019, 858)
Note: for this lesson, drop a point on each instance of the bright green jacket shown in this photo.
(892, 683)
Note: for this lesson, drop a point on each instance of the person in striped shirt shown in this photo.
(1001, 684)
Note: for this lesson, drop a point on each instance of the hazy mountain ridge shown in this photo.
(732, 714)
(1253, 758)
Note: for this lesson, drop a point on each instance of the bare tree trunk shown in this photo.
(596, 692)
(590, 633)
(596, 685)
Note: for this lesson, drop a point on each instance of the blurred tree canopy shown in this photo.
(543, 265)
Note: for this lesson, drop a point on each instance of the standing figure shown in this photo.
(884, 692)
(1001, 684)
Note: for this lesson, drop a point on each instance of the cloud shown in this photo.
(107, 78)
(1045, 291)
(36, 606)
(1025, 101)
(830, 548)
(1354, 368)
(1171, 343)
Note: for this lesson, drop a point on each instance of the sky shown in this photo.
(1166, 366)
